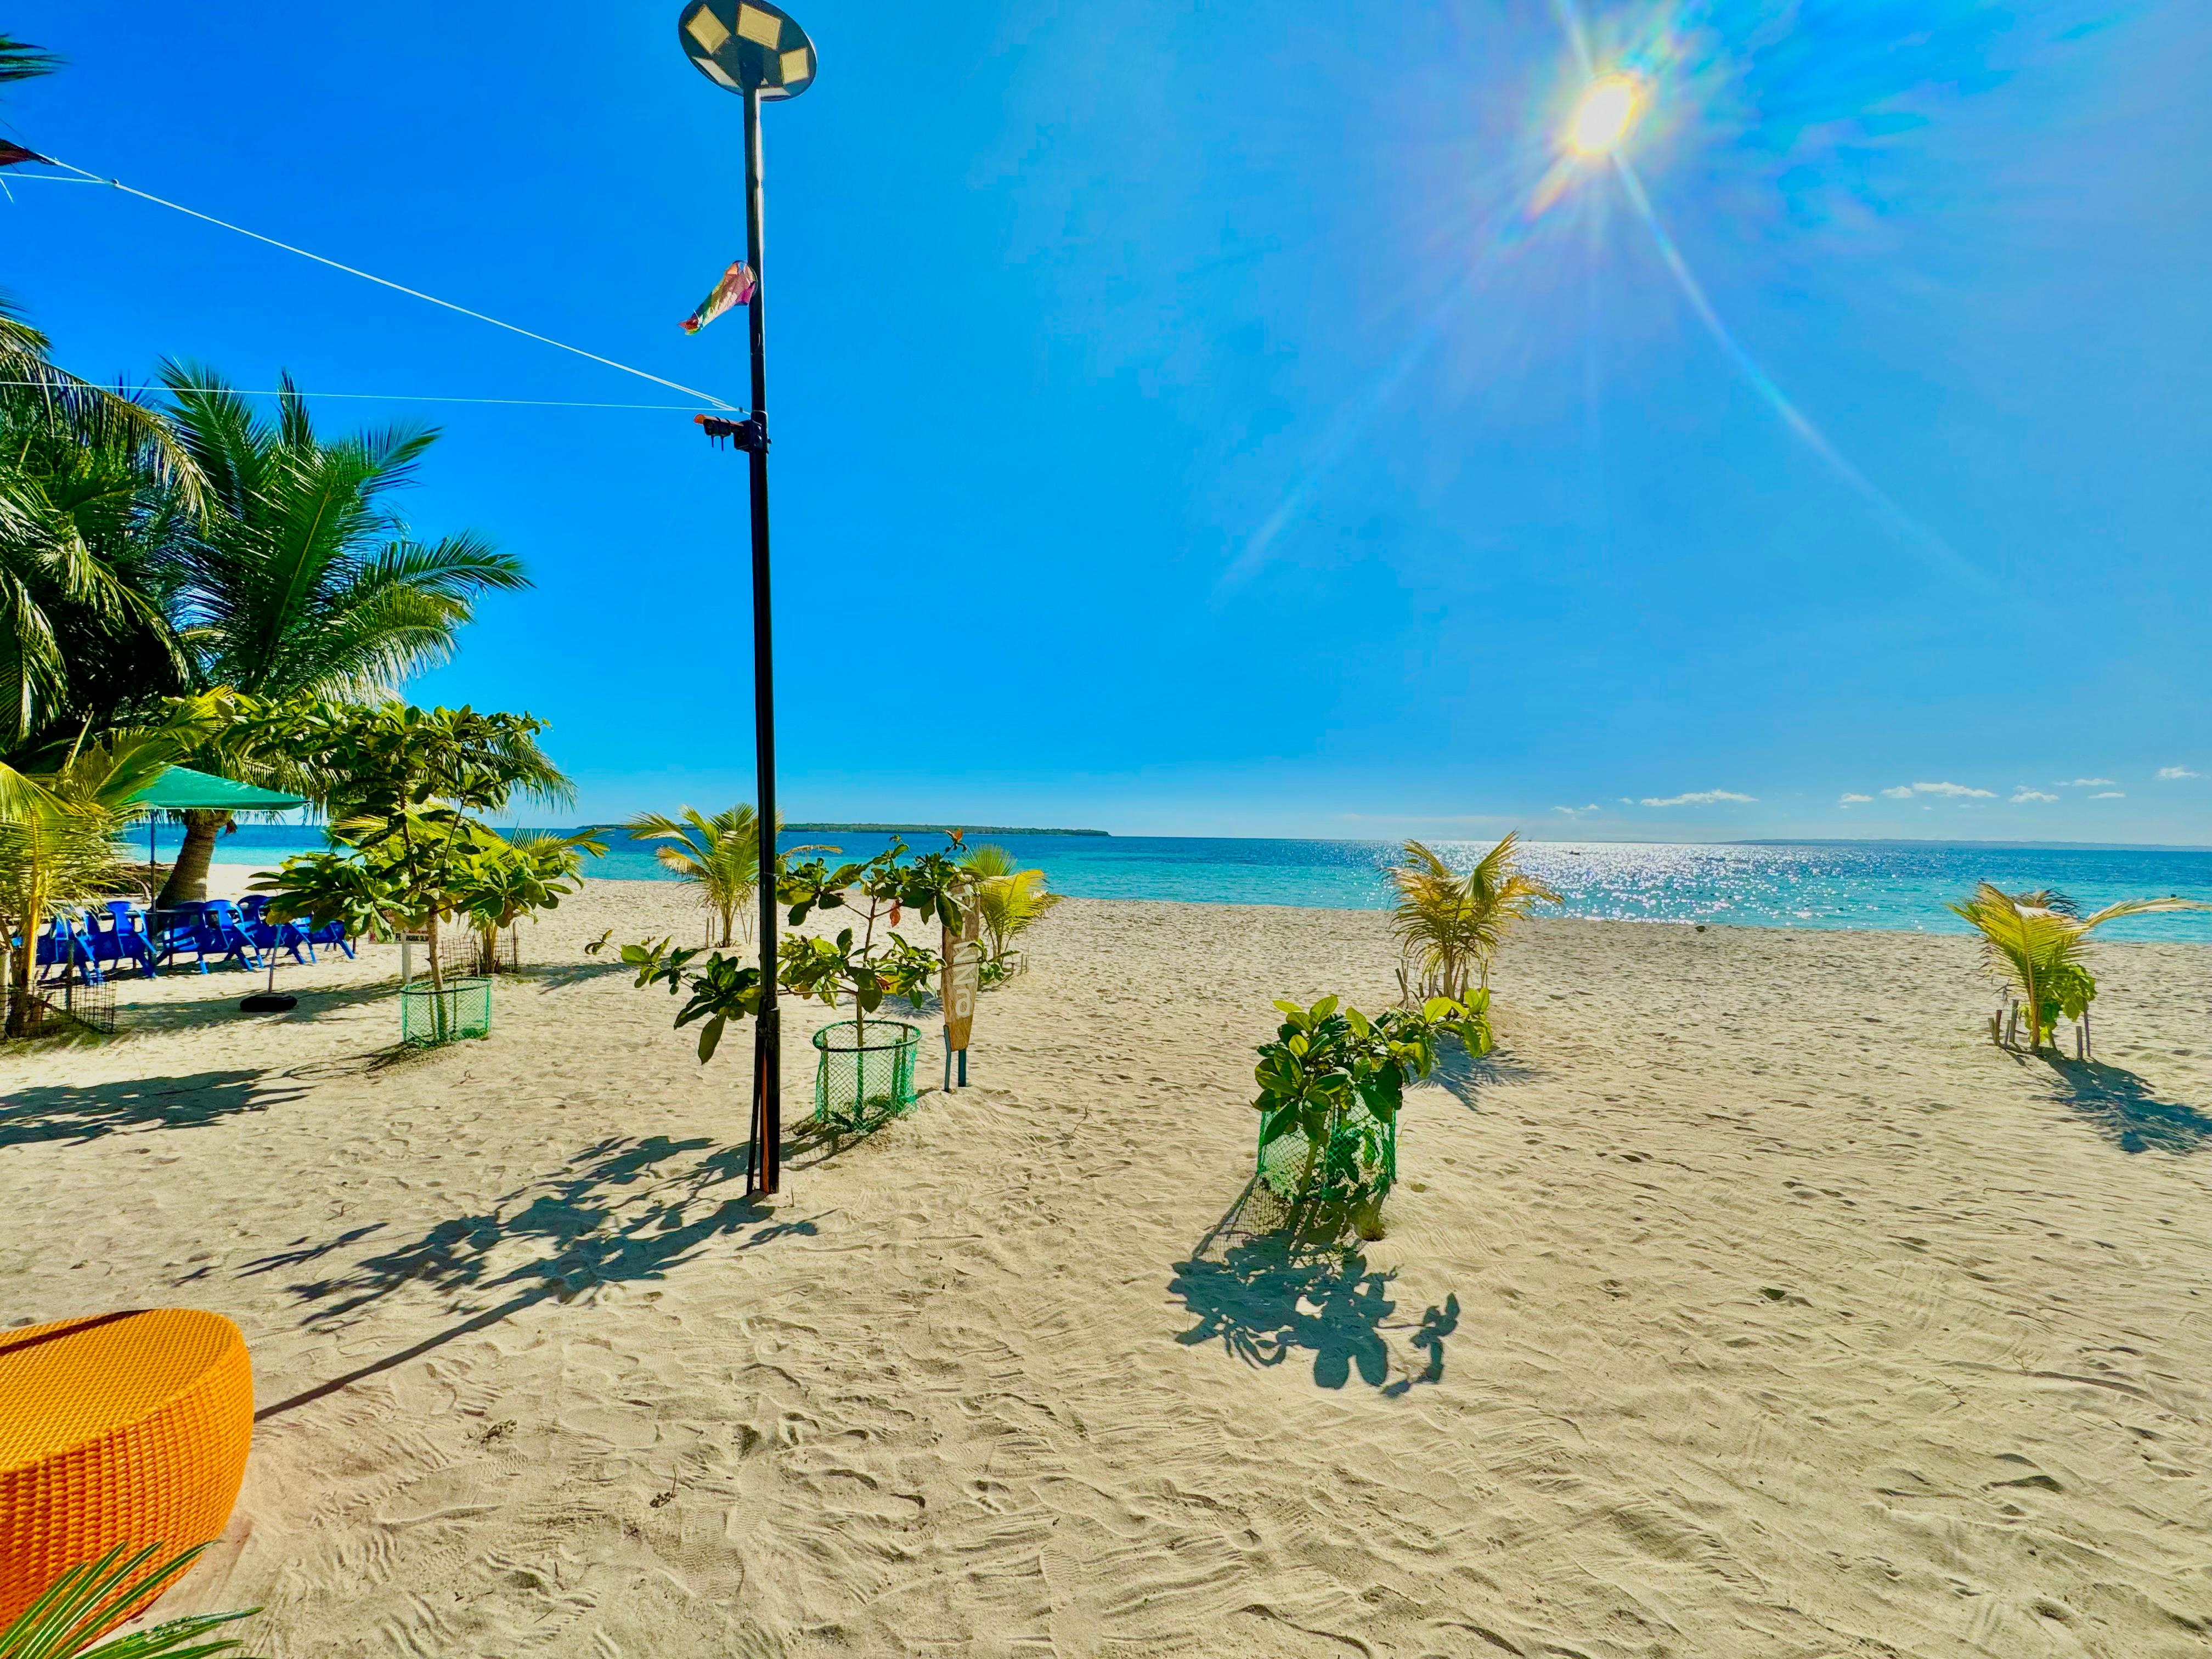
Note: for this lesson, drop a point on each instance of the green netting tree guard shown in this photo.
(1357, 1158)
(865, 1073)
(461, 1009)
(1332, 1084)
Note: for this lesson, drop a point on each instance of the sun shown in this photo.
(1607, 112)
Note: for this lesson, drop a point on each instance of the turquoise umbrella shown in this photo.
(180, 789)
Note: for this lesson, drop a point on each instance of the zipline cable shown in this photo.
(381, 281)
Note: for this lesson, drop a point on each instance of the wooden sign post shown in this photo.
(960, 980)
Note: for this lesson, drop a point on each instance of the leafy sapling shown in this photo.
(1338, 1079)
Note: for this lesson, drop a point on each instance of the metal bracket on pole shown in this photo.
(747, 435)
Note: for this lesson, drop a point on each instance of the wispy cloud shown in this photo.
(2025, 793)
(2110, 794)
(1697, 798)
(2170, 774)
(1855, 801)
(2085, 783)
(1952, 791)
(1577, 811)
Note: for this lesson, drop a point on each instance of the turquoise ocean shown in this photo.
(1891, 885)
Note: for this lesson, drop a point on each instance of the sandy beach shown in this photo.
(1747, 1301)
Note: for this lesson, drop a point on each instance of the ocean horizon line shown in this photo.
(1883, 884)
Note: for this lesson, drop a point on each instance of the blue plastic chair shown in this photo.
(65, 948)
(176, 930)
(123, 940)
(208, 927)
(223, 929)
(329, 932)
(269, 935)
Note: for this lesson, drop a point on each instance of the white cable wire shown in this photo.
(381, 281)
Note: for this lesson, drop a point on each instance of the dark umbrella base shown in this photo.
(263, 1002)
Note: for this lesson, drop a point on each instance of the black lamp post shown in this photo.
(755, 50)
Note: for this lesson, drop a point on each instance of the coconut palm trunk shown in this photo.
(188, 876)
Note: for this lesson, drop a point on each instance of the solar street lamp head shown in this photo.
(747, 45)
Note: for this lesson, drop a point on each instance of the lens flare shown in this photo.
(1607, 112)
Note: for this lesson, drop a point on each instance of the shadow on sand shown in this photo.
(225, 987)
(620, 1211)
(1268, 1291)
(1463, 1077)
(80, 1113)
(2125, 1109)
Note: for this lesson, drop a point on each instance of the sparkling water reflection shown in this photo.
(1873, 884)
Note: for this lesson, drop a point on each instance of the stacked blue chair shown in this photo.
(329, 932)
(65, 949)
(208, 927)
(123, 940)
(269, 935)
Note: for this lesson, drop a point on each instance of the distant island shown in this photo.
(931, 829)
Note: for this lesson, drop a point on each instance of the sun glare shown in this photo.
(1607, 112)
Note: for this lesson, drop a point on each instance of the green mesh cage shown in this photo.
(462, 1009)
(1360, 1156)
(864, 1075)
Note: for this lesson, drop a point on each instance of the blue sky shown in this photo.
(1224, 419)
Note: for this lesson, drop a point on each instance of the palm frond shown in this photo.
(304, 580)
(65, 1620)
(2037, 943)
(1008, 899)
(21, 61)
(2141, 907)
(719, 856)
(1450, 927)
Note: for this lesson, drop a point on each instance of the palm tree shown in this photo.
(1448, 926)
(1009, 899)
(301, 580)
(57, 842)
(2036, 943)
(89, 479)
(93, 494)
(719, 856)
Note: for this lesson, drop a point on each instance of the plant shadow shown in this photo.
(620, 1211)
(814, 1141)
(222, 1009)
(78, 1113)
(2124, 1109)
(552, 977)
(1462, 1076)
(1268, 1291)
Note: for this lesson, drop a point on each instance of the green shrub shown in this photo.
(1337, 1079)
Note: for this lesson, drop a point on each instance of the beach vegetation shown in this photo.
(718, 855)
(1333, 1080)
(57, 847)
(507, 879)
(1009, 901)
(67, 1619)
(405, 785)
(1448, 927)
(860, 966)
(2036, 944)
(93, 487)
(299, 579)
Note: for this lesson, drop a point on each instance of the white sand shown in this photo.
(1749, 1303)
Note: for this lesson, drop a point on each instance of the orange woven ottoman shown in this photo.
(121, 1428)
